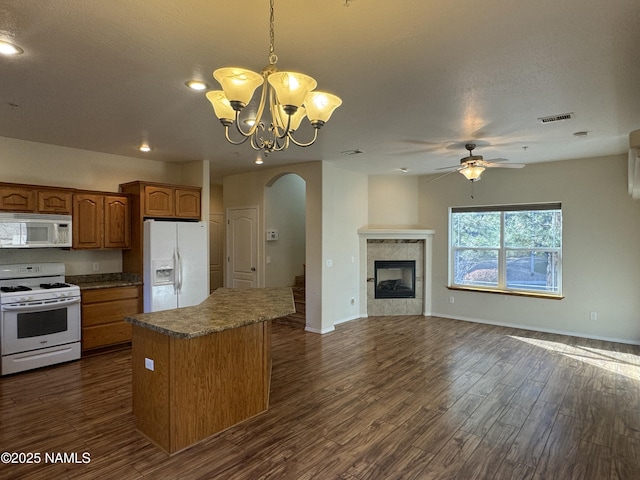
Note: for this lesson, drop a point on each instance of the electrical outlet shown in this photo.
(149, 364)
(452, 300)
(353, 301)
(593, 315)
(96, 266)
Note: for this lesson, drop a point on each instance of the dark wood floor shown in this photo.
(379, 398)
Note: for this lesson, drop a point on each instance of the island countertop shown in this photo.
(224, 309)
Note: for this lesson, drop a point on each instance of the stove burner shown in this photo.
(53, 285)
(15, 288)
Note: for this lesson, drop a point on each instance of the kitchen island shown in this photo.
(199, 370)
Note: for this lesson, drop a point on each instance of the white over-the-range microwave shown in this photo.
(34, 230)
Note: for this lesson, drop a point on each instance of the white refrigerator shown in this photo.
(175, 264)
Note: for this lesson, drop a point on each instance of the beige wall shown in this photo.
(345, 210)
(42, 164)
(601, 258)
(393, 201)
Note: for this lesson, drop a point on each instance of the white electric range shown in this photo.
(39, 317)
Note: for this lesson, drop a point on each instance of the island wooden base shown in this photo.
(199, 386)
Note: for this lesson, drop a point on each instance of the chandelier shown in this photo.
(289, 96)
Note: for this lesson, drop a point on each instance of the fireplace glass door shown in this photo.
(395, 278)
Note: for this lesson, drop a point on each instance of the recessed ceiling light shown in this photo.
(197, 85)
(581, 134)
(7, 48)
(404, 169)
(144, 148)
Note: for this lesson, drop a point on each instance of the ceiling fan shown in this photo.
(472, 166)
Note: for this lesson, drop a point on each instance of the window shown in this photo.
(509, 248)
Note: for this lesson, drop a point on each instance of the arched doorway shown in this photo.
(285, 237)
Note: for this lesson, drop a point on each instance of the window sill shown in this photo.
(547, 296)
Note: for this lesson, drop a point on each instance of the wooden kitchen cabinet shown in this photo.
(101, 221)
(35, 199)
(158, 201)
(17, 199)
(187, 202)
(161, 200)
(88, 217)
(54, 201)
(103, 312)
(117, 222)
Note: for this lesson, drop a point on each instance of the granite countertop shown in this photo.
(224, 309)
(104, 280)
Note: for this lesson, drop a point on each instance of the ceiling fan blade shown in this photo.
(440, 176)
(496, 160)
(503, 165)
(456, 167)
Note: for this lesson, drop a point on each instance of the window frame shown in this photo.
(502, 250)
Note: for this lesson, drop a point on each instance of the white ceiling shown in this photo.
(418, 78)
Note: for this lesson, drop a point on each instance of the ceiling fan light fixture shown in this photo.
(472, 172)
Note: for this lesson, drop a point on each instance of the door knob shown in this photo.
(253, 269)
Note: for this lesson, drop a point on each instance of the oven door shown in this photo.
(41, 324)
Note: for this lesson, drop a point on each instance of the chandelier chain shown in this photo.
(273, 58)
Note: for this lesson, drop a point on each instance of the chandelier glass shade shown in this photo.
(289, 97)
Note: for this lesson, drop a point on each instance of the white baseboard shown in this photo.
(321, 331)
(537, 329)
(346, 319)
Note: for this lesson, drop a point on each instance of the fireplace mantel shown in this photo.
(395, 233)
(425, 235)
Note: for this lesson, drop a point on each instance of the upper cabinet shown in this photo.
(117, 221)
(88, 217)
(17, 199)
(54, 201)
(160, 200)
(187, 202)
(34, 199)
(101, 221)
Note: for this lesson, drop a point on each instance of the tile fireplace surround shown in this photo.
(396, 244)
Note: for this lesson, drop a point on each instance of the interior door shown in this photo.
(242, 247)
(216, 254)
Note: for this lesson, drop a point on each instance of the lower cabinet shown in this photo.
(103, 312)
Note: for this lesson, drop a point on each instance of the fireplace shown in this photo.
(395, 278)
(395, 245)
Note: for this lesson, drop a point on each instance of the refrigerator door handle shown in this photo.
(179, 270)
(176, 272)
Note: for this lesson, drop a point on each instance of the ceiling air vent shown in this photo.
(556, 118)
